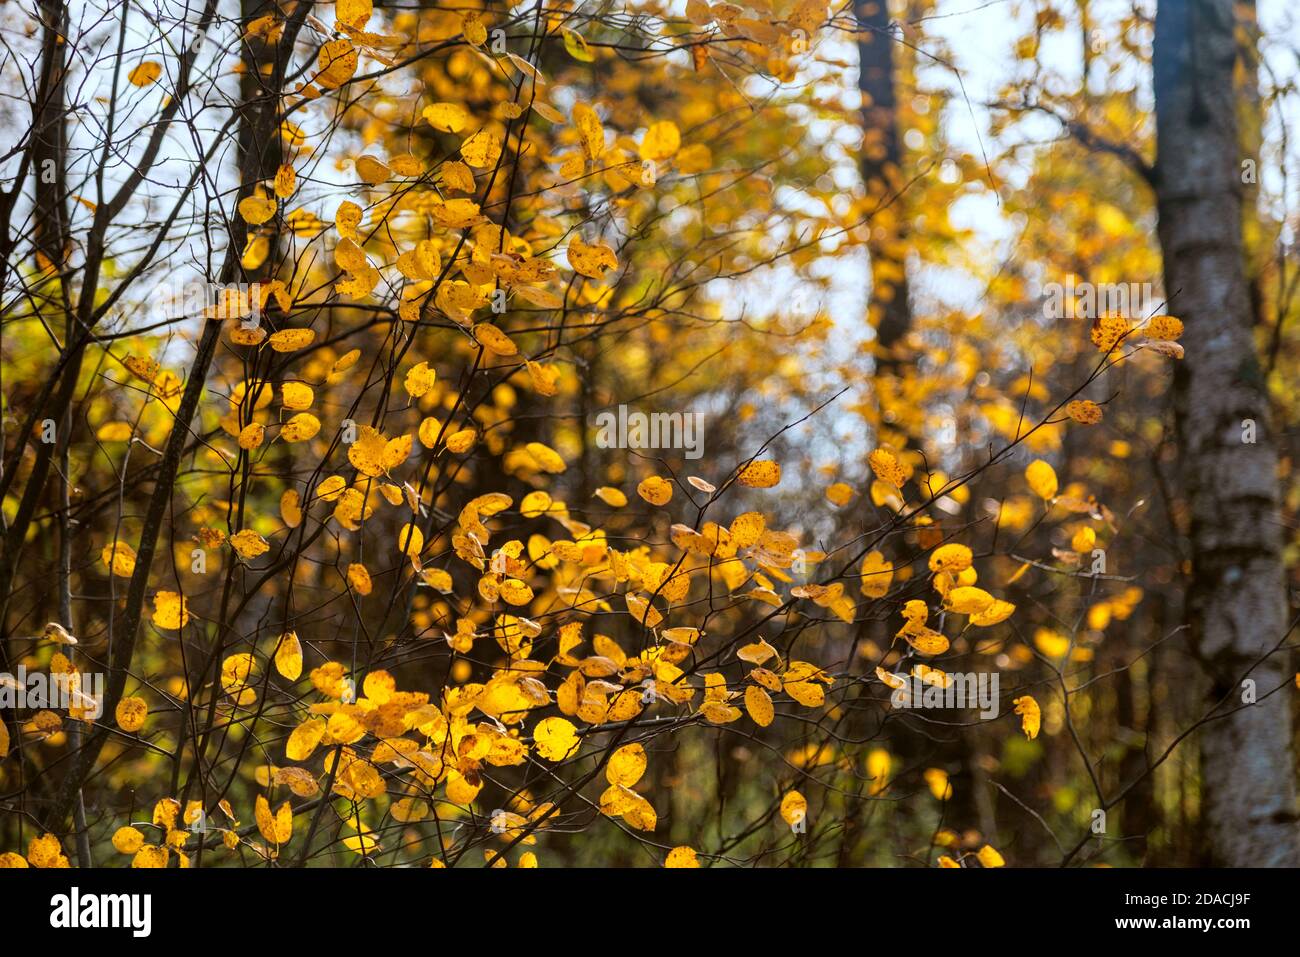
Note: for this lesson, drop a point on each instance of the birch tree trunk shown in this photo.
(1237, 595)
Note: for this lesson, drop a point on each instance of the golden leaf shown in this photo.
(655, 490)
(170, 611)
(288, 656)
(794, 808)
(1042, 479)
(248, 544)
(482, 150)
(145, 74)
(555, 738)
(256, 209)
(593, 261)
(119, 557)
(760, 475)
(1031, 718)
(131, 713)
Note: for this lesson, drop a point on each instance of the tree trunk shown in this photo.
(889, 311)
(259, 109)
(1236, 598)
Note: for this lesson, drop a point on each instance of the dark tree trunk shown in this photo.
(889, 310)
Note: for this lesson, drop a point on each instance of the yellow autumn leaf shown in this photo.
(150, 856)
(288, 656)
(419, 379)
(359, 578)
(248, 544)
(1084, 539)
(291, 508)
(127, 840)
(345, 362)
(762, 474)
(170, 611)
(839, 494)
(354, 13)
(756, 653)
(515, 592)
(296, 396)
(794, 808)
(887, 468)
(437, 578)
(461, 441)
(447, 118)
(396, 451)
(999, 611)
(1108, 331)
(337, 63)
(304, 739)
(989, 857)
(277, 828)
(682, 857)
(1031, 717)
(594, 261)
(367, 452)
(877, 575)
(611, 496)
(661, 141)
(655, 490)
(952, 557)
(114, 432)
(555, 738)
(626, 765)
(968, 600)
(1164, 328)
(481, 150)
(285, 181)
(543, 377)
(119, 557)
(590, 130)
(473, 29)
(373, 170)
(251, 436)
(362, 844)
(936, 779)
(927, 641)
(494, 340)
(145, 74)
(547, 459)
(256, 210)
(44, 850)
(577, 47)
(759, 705)
(1084, 411)
(130, 713)
(300, 428)
(410, 540)
(1042, 479)
(289, 340)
